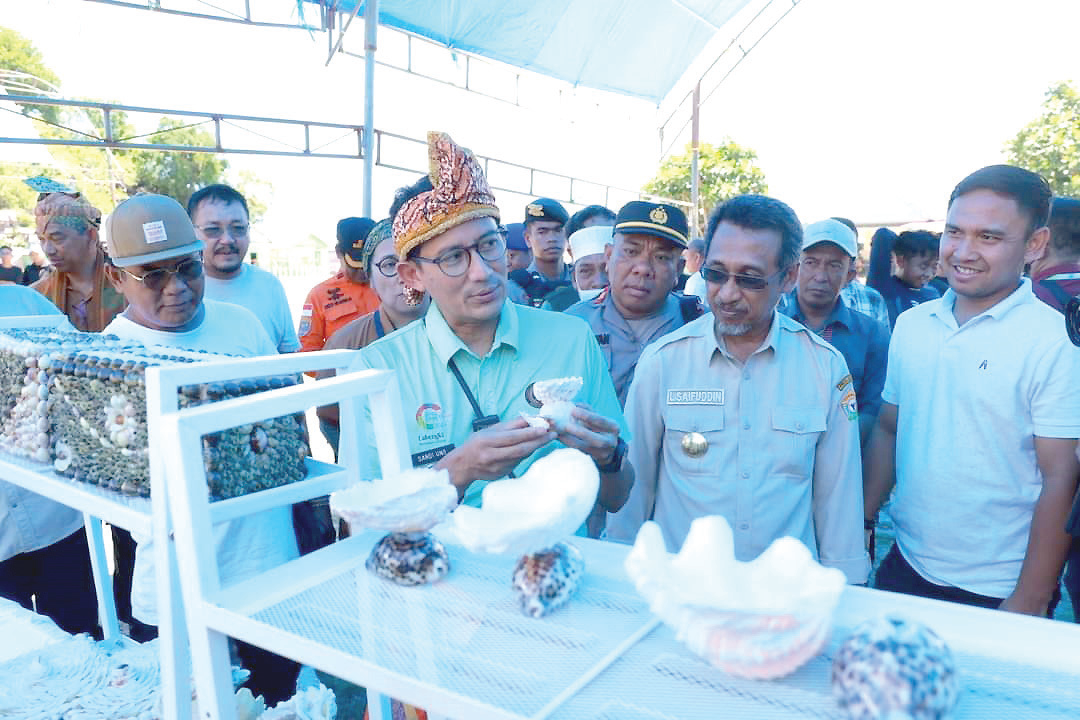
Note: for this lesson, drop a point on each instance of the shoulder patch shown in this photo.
(844, 382)
(849, 405)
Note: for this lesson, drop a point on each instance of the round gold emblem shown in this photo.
(694, 444)
(658, 215)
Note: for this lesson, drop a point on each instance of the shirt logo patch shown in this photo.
(431, 423)
(305, 319)
(695, 397)
(843, 382)
(982, 366)
(849, 405)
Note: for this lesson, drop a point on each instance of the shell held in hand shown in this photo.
(411, 501)
(529, 514)
(760, 619)
(556, 402)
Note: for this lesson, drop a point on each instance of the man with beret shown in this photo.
(67, 226)
(220, 216)
(744, 413)
(156, 262)
(518, 255)
(639, 306)
(467, 366)
(335, 302)
(827, 264)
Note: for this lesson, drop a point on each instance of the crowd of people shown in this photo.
(748, 373)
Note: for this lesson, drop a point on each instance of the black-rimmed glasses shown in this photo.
(456, 262)
(746, 282)
(388, 266)
(190, 269)
(238, 231)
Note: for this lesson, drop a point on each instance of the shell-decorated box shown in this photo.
(78, 401)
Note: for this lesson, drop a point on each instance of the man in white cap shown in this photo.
(588, 246)
(826, 265)
(156, 262)
(642, 264)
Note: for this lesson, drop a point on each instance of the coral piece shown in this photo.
(521, 516)
(409, 558)
(411, 501)
(891, 668)
(315, 703)
(546, 580)
(556, 402)
(759, 619)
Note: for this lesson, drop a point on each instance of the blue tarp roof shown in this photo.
(638, 48)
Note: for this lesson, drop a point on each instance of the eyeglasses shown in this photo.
(456, 262)
(238, 231)
(746, 282)
(190, 269)
(388, 266)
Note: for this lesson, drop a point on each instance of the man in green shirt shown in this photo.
(448, 241)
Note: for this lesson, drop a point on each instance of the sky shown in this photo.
(872, 109)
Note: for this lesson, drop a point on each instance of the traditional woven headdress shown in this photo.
(380, 232)
(460, 194)
(72, 210)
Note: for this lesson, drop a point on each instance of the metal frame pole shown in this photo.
(371, 26)
(695, 182)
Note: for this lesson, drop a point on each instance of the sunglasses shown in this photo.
(238, 231)
(190, 269)
(746, 282)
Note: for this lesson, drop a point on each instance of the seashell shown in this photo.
(314, 703)
(759, 619)
(409, 558)
(531, 513)
(545, 581)
(891, 667)
(555, 398)
(260, 441)
(411, 501)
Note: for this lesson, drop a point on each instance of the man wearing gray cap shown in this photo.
(827, 264)
(156, 262)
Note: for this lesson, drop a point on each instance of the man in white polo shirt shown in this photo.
(979, 419)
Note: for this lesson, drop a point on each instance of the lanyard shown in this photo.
(482, 421)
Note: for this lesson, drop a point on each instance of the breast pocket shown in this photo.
(692, 437)
(338, 312)
(797, 430)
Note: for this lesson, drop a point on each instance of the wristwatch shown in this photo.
(614, 465)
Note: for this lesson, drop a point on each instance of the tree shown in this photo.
(177, 174)
(724, 171)
(1050, 144)
(23, 72)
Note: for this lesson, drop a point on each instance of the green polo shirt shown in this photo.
(530, 345)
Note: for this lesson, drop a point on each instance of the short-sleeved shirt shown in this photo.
(529, 345)
(866, 300)
(621, 341)
(864, 343)
(247, 545)
(781, 444)
(331, 305)
(262, 293)
(971, 400)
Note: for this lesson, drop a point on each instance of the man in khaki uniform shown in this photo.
(745, 413)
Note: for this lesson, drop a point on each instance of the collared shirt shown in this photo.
(866, 300)
(972, 399)
(1064, 278)
(567, 274)
(780, 436)
(29, 521)
(331, 305)
(622, 341)
(529, 345)
(864, 343)
(262, 293)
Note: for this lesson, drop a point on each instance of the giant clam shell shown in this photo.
(556, 402)
(890, 667)
(411, 501)
(759, 619)
(524, 515)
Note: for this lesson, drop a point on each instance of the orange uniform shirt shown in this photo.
(329, 306)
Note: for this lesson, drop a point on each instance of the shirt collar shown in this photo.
(1022, 295)
(447, 344)
(712, 344)
(1055, 270)
(840, 313)
(565, 272)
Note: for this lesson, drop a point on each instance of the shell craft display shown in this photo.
(894, 668)
(556, 402)
(760, 619)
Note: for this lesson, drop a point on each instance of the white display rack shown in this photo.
(151, 516)
(462, 649)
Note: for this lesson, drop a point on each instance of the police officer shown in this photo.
(336, 302)
(639, 305)
(745, 413)
(548, 277)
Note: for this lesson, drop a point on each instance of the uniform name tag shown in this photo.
(603, 338)
(427, 457)
(695, 397)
